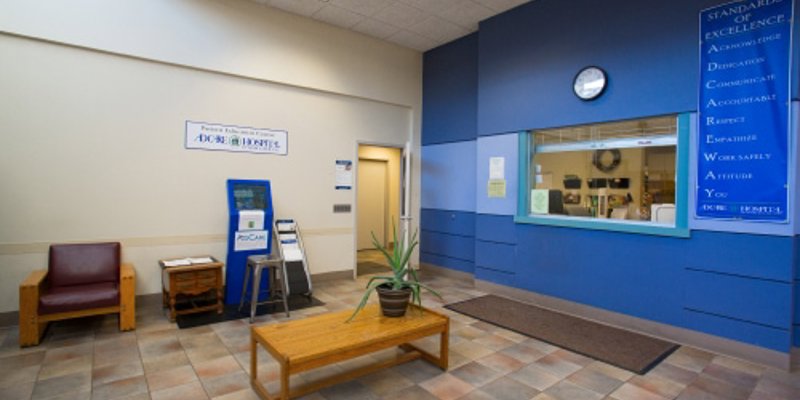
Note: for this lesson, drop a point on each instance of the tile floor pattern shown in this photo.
(91, 359)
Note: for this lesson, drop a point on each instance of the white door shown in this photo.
(405, 192)
(372, 187)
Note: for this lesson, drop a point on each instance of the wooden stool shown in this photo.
(277, 294)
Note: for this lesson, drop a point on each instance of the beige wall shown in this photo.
(392, 158)
(95, 97)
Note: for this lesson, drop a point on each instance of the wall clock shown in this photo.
(590, 83)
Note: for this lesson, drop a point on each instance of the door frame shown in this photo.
(359, 143)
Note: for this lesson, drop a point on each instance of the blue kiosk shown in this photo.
(249, 231)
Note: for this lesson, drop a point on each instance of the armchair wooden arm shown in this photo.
(30, 328)
(127, 297)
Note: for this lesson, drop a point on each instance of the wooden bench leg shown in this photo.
(127, 298)
(284, 380)
(30, 329)
(444, 348)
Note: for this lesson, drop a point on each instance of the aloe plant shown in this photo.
(403, 276)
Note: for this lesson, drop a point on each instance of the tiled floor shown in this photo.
(90, 359)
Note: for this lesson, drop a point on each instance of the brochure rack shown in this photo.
(291, 250)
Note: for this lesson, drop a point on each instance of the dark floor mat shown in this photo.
(628, 350)
(231, 311)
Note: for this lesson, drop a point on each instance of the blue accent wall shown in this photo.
(516, 74)
(528, 58)
(709, 281)
(449, 92)
(797, 291)
(447, 239)
(448, 176)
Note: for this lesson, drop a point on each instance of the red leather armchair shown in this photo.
(81, 280)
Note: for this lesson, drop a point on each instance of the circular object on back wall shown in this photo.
(589, 83)
(606, 160)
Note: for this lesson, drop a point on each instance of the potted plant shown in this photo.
(395, 290)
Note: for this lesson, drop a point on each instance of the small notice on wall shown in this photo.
(205, 136)
(497, 188)
(344, 174)
(497, 168)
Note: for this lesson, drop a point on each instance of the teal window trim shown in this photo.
(681, 228)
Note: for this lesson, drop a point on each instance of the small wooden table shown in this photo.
(321, 340)
(191, 280)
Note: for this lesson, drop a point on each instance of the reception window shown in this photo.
(624, 176)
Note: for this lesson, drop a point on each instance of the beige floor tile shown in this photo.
(524, 353)
(170, 378)
(535, 377)
(165, 361)
(22, 390)
(384, 383)
(22, 360)
(565, 390)
(476, 374)
(732, 376)
(557, 365)
(19, 375)
(192, 390)
(66, 367)
(73, 383)
(505, 388)
(632, 392)
(224, 384)
(720, 388)
(503, 363)
(494, 342)
(446, 387)
(244, 394)
(111, 373)
(57, 354)
(595, 381)
(217, 367)
(662, 387)
(120, 388)
(673, 373)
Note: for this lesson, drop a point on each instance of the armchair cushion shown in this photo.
(74, 298)
(86, 263)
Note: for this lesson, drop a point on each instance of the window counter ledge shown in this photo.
(628, 226)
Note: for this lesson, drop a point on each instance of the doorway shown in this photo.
(378, 205)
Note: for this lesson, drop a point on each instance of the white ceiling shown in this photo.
(417, 24)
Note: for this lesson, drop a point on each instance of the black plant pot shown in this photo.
(393, 302)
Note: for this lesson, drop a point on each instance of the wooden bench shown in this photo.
(305, 344)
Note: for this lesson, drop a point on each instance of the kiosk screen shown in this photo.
(250, 197)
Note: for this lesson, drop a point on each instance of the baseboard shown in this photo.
(10, 318)
(426, 268)
(331, 276)
(671, 333)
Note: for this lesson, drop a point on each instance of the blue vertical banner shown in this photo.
(743, 149)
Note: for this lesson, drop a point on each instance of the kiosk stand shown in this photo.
(249, 231)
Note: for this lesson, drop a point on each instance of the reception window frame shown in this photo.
(680, 228)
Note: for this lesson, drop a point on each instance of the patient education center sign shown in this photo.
(205, 136)
(743, 108)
